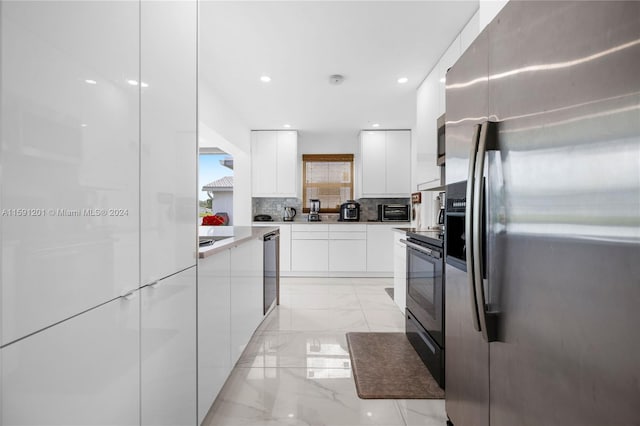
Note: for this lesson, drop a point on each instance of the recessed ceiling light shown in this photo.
(369, 414)
(132, 82)
(375, 125)
(83, 125)
(403, 80)
(89, 81)
(143, 84)
(287, 126)
(265, 79)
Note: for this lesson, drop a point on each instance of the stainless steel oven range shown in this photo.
(425, 299)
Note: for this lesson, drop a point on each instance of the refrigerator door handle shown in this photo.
(469, 234)
(487, 142)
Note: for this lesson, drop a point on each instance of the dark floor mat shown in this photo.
(385, 366)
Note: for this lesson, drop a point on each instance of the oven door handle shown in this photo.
(469, 231)
(422, 249)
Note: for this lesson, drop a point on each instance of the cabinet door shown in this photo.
(169, 145)
(264, 157)
(399, 271)
(214, 328)
(398, 166)
(347, 255)
(380, 249)
(246, 294)
(168, 348)
(285, 248)
(374, 160)
(69, 158)
(83, 371)
(309, 255)
(287, 164)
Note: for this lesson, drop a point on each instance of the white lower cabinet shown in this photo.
(309, 255)
(348, 255)
(168, 350)
(399, 270)
(246, 294)
(214, 328)
(380, 248)
(347, 248)
(83, 371)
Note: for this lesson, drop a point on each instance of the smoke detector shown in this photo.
(336, 79)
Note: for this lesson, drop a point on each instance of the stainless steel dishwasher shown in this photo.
(271, 270)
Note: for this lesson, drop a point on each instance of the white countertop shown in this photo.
(236, 234)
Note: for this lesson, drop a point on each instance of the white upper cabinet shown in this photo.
(386, 163)
(70, 155)
(169, 146)
(374, 162)
(274, 163)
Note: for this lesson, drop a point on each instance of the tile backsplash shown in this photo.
(275, 206)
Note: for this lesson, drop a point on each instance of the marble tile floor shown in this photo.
(296, 369)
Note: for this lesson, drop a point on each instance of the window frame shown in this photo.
(325, 158)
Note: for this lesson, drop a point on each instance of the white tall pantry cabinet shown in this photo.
(97, 191)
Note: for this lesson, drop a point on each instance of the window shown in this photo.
(329, 178)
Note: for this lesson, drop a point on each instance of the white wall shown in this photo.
(223, 202)
(220, 127)
(430, 104)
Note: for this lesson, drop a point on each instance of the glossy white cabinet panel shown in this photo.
(264, 157)
(246, 293)
(274, 163)
(168, 130)
(399, 271)
(287, 164)
(70, 154)
(386, 163)
(347, 227)
(309, 255)
(307, 227)
(285, 248)
(398, 162)
(83, 371)
(214, 328)
(374, 160)
(168, 351)
(347, 255)
(380, 248)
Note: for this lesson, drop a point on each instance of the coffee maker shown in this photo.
(314, 211)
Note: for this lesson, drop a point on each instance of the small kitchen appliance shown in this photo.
(349, 211)
(416, 202)
(393, 213)
(442, 200)
(314, 211)
(289, 214)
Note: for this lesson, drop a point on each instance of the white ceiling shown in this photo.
(299, 44)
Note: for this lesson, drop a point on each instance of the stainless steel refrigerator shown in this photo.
(543, 219)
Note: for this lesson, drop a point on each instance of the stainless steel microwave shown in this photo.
(393, 212)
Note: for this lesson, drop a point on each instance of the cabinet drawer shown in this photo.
(310, 228)
(309, 235)
(347, 235)
(347, 228)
